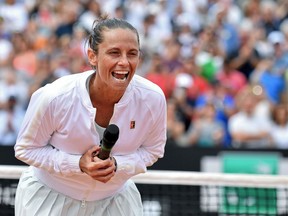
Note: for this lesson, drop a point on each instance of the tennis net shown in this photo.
(175, 193)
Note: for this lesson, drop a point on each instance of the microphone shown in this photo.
(110, 137)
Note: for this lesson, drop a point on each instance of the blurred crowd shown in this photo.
(222, 64)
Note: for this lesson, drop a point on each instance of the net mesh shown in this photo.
(174, 193)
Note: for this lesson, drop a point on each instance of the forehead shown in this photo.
(120, 36)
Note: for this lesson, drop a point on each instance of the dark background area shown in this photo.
(168, 197)
(175, 158)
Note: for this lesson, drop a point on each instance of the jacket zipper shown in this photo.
(83, 203)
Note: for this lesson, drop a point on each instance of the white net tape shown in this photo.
(184, 178)
(214, 194)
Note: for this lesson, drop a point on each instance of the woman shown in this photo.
(65, 122)
(279, 126)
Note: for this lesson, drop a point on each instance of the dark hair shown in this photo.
(104, 23)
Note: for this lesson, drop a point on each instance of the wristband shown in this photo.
(115, 163)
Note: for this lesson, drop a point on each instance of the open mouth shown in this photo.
(120, 75)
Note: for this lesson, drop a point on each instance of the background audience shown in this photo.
(222, 64)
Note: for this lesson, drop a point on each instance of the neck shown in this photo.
(101, 95)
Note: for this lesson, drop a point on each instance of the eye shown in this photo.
(133, 54)
(114, 53)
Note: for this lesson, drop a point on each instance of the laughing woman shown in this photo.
(64, 125)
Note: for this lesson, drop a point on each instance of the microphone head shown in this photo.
(111, 135)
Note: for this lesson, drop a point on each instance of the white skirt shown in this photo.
(33, 198)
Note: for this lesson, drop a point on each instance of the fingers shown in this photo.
(100, 170)
(103, 174)
(94, 151)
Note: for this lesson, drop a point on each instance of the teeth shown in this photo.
(120, 75)
(121, 72)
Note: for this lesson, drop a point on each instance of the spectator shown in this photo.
(15, 15)
(227, 32)
(230, 77)
(198, 84)
(25, 58)
(172, 55)
(6, 46)
(224, 105)
(92, 11)
(247, 56)
(208, 53)
(205, 131)
(279, 127)
(11, 118)
(11, 84)
(269, 20)
(45, 40)
(247, 129)
(175, 126)
(158, 73)
(270, 73)
(183, 109)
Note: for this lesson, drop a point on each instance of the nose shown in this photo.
(123, 60)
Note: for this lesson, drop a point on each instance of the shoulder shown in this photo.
(146, 87)
(59, 88)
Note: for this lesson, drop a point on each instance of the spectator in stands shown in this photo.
(230, 77)
(247, 56)
(224, 105)
(247, 129)
(205, 130)
(11, 84)
(198, 84)
(15, 15)
(197, 34)
(279, 127)
(25, 58)
(271, 72)
(68, 17)
(184, 108)
(175, 125)
(227, 32)
(92, 11)
(159, 74)
(11, 117)
(66, 120)
(269, 20)
(6, 46)
(208, 53)
(172, 55)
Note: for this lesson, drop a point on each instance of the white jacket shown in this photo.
(59, 127)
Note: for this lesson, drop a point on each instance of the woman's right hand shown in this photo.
(100, 170)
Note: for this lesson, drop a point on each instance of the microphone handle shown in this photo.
(104, 153)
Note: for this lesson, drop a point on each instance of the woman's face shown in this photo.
(117, 58)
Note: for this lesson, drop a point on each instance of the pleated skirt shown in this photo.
(33, 198)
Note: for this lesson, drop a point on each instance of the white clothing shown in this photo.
(279, 136)
(126, 203)
(59, 127)
(6, 48)
(241, 122)
(15, 16)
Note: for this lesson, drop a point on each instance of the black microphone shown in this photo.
(110, 137)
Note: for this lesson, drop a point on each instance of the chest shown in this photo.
(104, 115)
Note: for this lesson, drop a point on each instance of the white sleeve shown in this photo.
(32, 145)
(150, 151)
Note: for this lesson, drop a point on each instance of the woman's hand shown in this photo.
(100, 170)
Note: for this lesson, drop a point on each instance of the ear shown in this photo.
(92, 57)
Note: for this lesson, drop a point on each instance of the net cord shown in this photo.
(162, 177)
